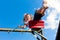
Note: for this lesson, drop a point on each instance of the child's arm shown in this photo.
(43, 8)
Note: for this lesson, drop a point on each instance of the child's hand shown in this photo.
(20, 27)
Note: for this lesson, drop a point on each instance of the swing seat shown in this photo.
(36, 24)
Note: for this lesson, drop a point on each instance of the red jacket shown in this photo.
(36, 24)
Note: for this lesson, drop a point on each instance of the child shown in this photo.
(37, 16)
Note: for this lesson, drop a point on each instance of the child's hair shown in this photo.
(27, 14)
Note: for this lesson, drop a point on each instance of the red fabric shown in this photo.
(36, 24)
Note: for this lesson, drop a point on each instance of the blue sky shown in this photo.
(11, 15)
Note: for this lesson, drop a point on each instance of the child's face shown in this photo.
(27, 17)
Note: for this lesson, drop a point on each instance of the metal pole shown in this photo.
(18, 30)
(13, 30)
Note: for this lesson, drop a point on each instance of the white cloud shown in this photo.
(53, 10)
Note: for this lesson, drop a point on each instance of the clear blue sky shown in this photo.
(11, 15)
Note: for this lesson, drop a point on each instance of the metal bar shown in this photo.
(41, 35)
(17, 30)
(13, 30)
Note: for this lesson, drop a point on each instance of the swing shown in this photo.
(36, 24)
